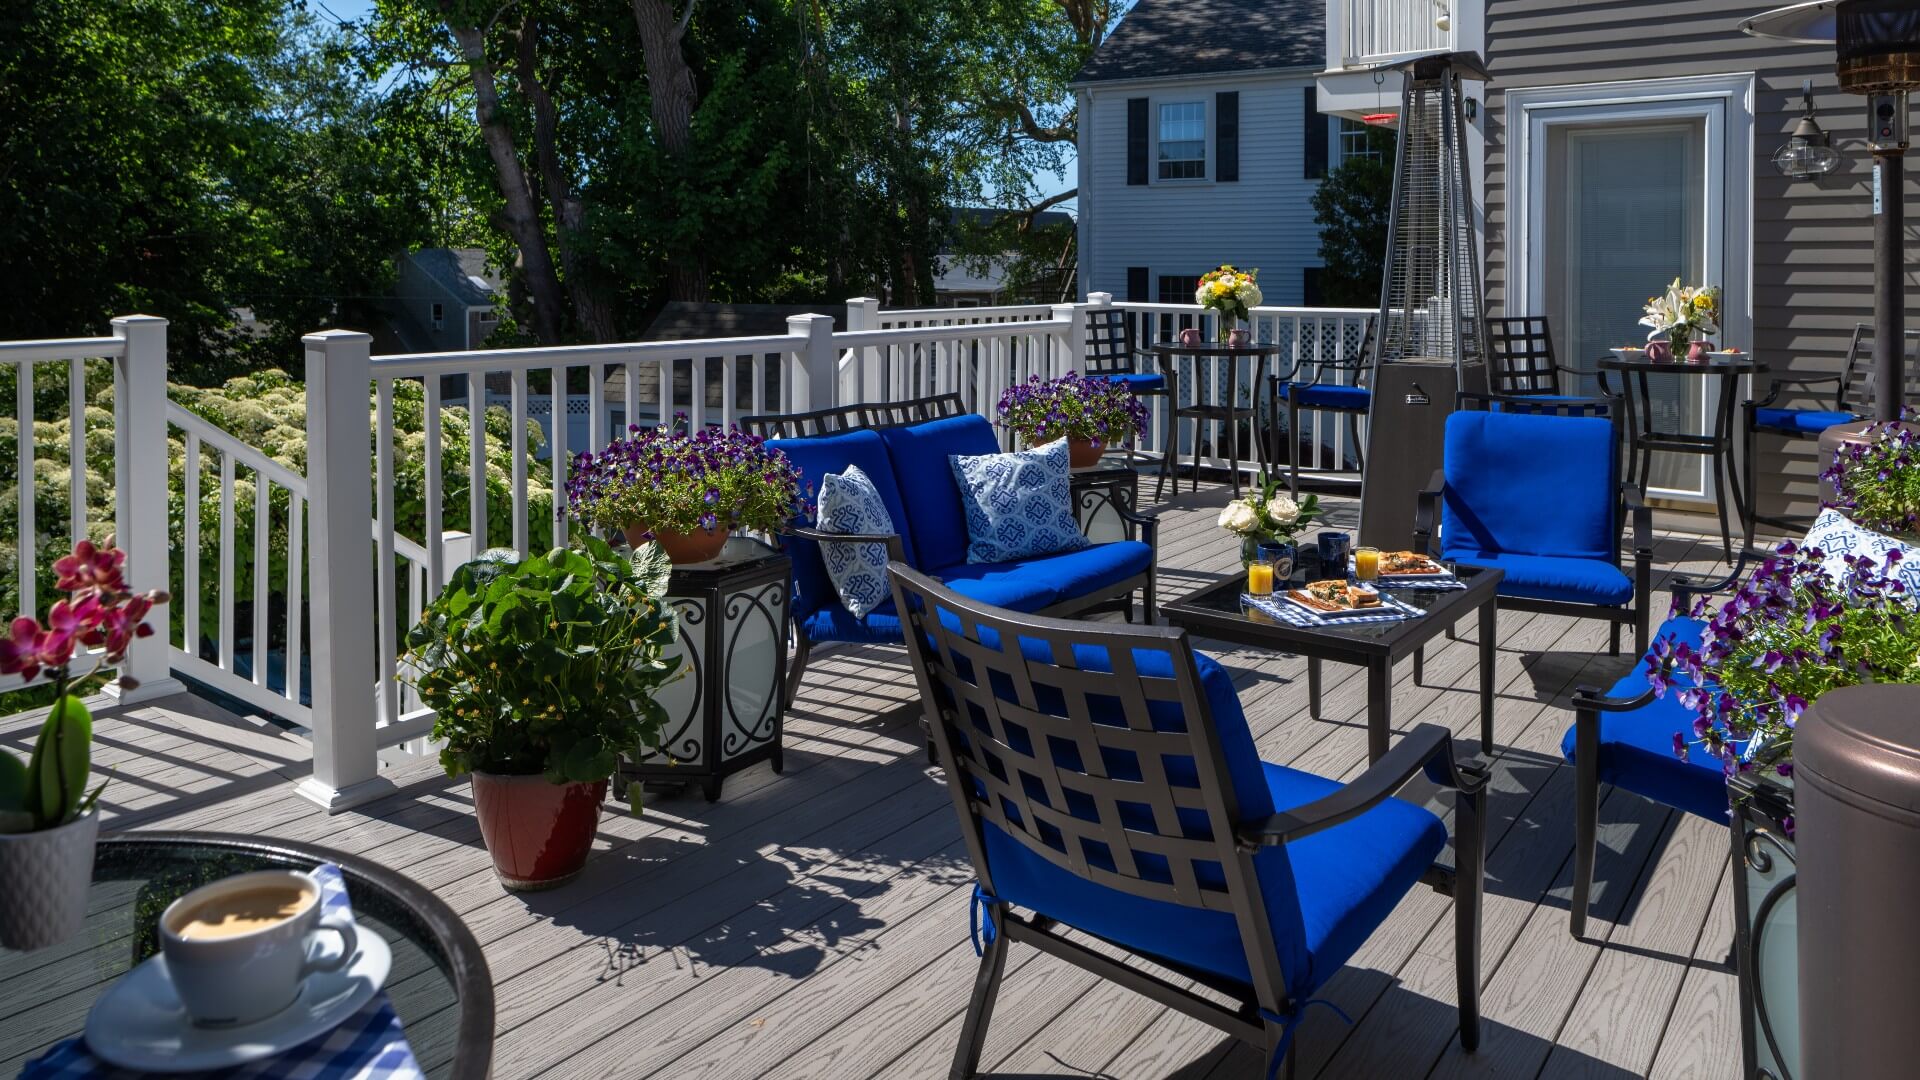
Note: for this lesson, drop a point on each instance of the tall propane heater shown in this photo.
(1430, 338)
(1877, 54)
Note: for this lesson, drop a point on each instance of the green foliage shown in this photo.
(187, 160)
(50, 788)
(548, 664)
(1351, 207)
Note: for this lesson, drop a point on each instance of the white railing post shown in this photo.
(346, 767)
(1072, 352)
(140, 493)
(863, 313)
(814, 384)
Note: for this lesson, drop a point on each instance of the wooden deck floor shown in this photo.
(814, 924)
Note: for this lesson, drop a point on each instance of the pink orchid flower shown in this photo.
(91, 567)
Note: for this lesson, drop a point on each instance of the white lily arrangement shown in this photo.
(1685, 312)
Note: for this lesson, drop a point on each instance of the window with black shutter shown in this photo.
(1226, 135)
(1136, 284)
(1316, 134)
(1136, 140)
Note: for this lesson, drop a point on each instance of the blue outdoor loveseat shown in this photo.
(903, 447)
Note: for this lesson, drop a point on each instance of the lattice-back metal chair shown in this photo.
(1307, 386)
(1520, 359)
(1107, 784)
(1113, 354)
(1849, 403)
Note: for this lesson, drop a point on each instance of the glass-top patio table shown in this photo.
(1217, 611)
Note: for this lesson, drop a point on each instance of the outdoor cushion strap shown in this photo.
(981, 926)
(1289, 1023)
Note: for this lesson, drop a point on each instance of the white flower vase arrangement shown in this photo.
(1233, 294)
(1267, 522)
(1684, 315)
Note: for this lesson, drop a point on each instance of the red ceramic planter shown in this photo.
(539, 833)
(698, 546)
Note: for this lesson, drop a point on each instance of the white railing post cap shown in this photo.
(327, 337)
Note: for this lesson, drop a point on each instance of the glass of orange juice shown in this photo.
(1366, 563)
(1260, 577)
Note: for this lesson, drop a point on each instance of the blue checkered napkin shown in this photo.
(369, 1045)
(1423, 581)
(1293, 614)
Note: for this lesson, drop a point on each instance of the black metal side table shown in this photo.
(1099, 493)
(1230, 411)
(1643, 439)
(727, 709)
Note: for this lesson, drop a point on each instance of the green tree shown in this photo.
(1352, 207)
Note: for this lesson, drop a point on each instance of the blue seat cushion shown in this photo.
(920, 454)
(1327, 396)
(1026, 586)
(1323, 894)
(1532, 484)
(816, 457)
(1545, 577)
(1800, 421)
(1636, 748)
(1138, 381)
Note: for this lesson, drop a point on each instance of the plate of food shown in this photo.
(1410, 564)
(1335, 598)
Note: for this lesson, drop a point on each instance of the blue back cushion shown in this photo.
(1529, 484)
(938, 523)
(816, 457)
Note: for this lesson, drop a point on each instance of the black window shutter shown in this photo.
(1137, 285)
(1314, 152)
(1136, 140)
(1226, 135)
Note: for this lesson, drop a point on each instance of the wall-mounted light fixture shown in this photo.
(1443, 16)
(1809, 151)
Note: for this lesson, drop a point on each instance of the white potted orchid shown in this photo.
(1267, 521)
(1683, 316)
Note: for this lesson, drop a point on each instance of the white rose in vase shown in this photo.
(1283, 512)
(1239, 517)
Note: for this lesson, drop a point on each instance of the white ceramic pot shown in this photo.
(43, 883)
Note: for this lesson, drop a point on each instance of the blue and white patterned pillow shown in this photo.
(1837, 536)
(849, 503)
(1019, 506)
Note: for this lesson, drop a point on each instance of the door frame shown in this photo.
(1724, 102)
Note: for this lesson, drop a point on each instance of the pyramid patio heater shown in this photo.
(1430, 338)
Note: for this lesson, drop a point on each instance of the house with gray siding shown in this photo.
(1621, 144)
(1200, 144)
(444, 300)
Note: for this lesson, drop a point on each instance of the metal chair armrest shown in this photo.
(1642, 517)
(1427, 748)
(1686, 588)
(896, 548)
(1145, 527)
(1797, 383)
(1589, 700)
(1426, 514)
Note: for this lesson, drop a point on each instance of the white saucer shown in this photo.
(139, 1022)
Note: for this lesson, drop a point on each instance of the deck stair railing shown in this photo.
(303, 622)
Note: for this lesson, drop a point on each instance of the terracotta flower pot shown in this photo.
(1082, 453)
(698, 546)
(539, 833)
(44, 877)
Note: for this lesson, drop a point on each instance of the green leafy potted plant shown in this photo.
(688, 490)
(543, 672)
(48, 823)
(1091, 414)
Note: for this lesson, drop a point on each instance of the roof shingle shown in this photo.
(1161, 38)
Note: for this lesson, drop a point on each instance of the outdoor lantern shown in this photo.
(1876, 46)
(727, 711)
(1809, 151)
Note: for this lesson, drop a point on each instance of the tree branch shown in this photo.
(686, 19)
(1030, 127)
(1033, 212)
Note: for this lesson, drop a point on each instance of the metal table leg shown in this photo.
(1379, 707)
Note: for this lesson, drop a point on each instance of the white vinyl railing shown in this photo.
(298, 570)
(1377, 29)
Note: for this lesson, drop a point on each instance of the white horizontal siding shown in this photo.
(1264, 220)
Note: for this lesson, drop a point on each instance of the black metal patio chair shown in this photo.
(1317, 384)
(1107, 784)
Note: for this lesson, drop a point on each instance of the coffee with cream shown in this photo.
(242, 912)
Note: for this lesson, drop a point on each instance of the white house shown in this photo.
(1201, 143)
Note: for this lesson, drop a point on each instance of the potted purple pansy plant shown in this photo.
(47, 818)
(1876, 480)
(687, 490)
(1092, 414)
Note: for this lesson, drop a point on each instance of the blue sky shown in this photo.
(358, 10)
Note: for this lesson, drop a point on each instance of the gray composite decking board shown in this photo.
(814, 924)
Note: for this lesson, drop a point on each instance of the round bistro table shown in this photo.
(1169, 354)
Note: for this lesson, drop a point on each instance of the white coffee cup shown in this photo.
(233, 961)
